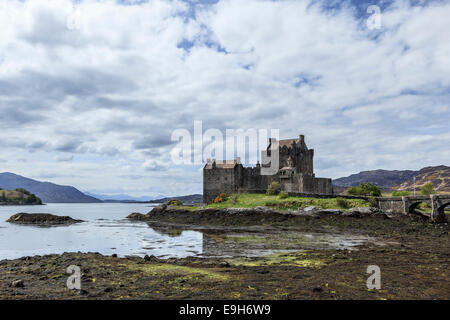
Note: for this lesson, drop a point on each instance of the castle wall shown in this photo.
(218, 180)
(293, 154)
(253, 180)
(302, 156)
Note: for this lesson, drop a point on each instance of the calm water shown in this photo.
(106, 230)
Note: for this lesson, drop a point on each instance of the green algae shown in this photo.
(282, 259)
(182, 272)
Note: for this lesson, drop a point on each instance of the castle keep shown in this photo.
(295, 174)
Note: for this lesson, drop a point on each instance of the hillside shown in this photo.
(18, 197)
(398, 179)
(121, 197)
(384, 179)
(191, 199)
(439, 176)
(46, 191)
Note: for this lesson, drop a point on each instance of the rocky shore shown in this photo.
(412, 253)
(413, 261)
(252, 216)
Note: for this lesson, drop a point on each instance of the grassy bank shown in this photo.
(247, 200)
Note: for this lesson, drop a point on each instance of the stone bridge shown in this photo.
(407, 205)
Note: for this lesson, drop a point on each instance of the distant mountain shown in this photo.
(121, 197)
(46, 191)
(439, 176)
(384, 179)
(398, 179)
(190, 199)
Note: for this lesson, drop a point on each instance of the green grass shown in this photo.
(247, 200)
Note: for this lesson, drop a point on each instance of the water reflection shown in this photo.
(106, 231)
(232, 243)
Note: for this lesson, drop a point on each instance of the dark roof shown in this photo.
(227, 164)
(288, 142)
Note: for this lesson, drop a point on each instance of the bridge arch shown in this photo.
(441, 208)
(414, 204)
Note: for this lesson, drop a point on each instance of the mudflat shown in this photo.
(412, 253)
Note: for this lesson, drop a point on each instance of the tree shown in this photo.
(365, 189)
(427, 189)
(22, 190)
(401, 193)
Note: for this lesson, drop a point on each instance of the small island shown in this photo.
(18, 197)
(41, 219)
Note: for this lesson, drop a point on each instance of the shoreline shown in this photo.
(417, 250)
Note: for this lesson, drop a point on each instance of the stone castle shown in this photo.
(295, 174)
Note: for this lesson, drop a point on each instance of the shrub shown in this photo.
(274, 188)
(284, 195)
(365, 189)
(342, 203)
(22, 190)
(271, 204)
(220, 198)
(234, 198)
(428, 188)
(174, 202)
(373, 202)
(401, 193)
(32, 199)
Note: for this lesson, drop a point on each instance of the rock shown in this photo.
(310, 209)
(263, 209)
(380, 215)
(330, 212)
(353, 214)
(151, 258)
(114, 255)
(41, 219)
(137, 216)
(17, 284)
(362, 212)
(365, 210)
(317, 289)
(159, 209)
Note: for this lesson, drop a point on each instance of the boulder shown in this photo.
(17, 284)
(329, 212)
(137, 216)
(363, 210)
(159, 209)
(311, 209)
(41, 219)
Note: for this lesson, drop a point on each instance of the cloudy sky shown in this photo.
(91, 91)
